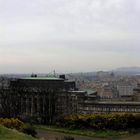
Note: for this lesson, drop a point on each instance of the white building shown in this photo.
(125, 90)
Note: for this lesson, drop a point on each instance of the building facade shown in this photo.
(43, 99)
(109, 107)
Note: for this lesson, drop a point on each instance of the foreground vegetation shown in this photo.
(97, 125)
(12, 134)
(17, 126)
(101, 121)
(85, 132)
(11, 123)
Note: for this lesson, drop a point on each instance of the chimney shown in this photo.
(62, 76)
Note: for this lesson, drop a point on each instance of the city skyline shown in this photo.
(68, 35)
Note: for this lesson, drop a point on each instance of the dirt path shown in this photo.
(135, 137)
(48, 135)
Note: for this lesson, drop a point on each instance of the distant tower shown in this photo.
(112, 74)
(54, 73)
(62, 76)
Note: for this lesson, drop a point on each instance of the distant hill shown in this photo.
(128, 70)
(134, 69)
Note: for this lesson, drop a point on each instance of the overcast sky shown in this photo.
(68, 35)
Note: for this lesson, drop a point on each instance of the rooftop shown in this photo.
(77, 91)
(115, 103)
(90, 91)
(42, 78)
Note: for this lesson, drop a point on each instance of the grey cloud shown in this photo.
(45, 32)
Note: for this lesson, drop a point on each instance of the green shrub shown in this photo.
(65, 138)
(68, 138)
(29, 130)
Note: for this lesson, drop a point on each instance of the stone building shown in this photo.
(43, 99)
(90, 107)
(136, 93)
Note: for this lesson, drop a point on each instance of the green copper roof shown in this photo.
(90, 91)
(41, 78)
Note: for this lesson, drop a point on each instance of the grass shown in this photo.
(89, 133)
(11, 134)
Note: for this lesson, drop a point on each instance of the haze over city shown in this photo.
(68, 35)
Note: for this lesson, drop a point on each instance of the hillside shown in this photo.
(127, 71)
(9, 134)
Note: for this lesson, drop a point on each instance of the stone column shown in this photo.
(21, 105)
(38, 105)
(32, 105)
(43, 104)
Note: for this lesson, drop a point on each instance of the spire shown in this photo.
(54, 73)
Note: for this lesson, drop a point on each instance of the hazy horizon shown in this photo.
(68, 35)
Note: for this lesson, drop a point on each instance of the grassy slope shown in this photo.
(89, 133)
(9, 134)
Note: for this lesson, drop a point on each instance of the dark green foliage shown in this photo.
(65, 138)
(68, 138)
(101, 121)
(29, 129)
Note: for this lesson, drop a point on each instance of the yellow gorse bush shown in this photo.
(101, 121)
(11, 123)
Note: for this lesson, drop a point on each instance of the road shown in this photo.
(48, 135)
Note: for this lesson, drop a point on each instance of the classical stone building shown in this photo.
(90, 107)
(42, 99)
